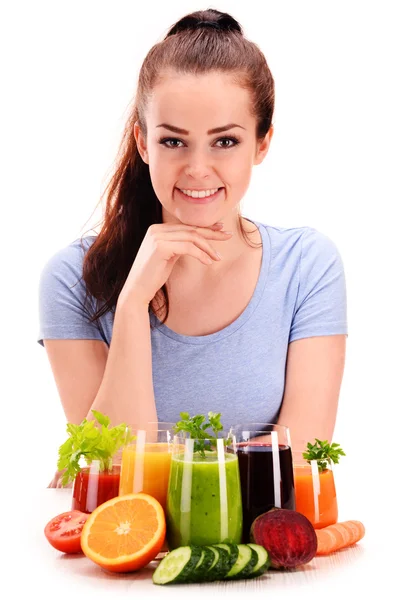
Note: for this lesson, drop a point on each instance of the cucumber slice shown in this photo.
(232, 550)
(178, 565)
(263, 562)
(207, 558)
(244, 564)
(208, 576)
(220, 566)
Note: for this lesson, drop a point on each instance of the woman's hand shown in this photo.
(56, 482)
(161, 248)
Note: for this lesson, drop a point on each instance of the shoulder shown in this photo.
(68, 259)
(303, 242)
(64, 269)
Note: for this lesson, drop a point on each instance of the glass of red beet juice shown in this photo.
(266, 470)
(96, 483)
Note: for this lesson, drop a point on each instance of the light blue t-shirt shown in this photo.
(240, 370)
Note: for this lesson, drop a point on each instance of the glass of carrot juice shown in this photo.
(315, 490)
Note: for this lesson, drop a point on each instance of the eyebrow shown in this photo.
(209, 132)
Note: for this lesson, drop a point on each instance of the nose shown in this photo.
(197, 166)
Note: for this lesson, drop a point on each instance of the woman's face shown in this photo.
(195, 157)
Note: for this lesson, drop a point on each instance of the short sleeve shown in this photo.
(63, 312)
(321, 305)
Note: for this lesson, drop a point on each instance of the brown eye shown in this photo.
(170, 142)
(234, 142)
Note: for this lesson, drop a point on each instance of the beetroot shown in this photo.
(287, 535)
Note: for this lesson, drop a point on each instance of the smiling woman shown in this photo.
(202, 159)
(164, 310)
(205, 165)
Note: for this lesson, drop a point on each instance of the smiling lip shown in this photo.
(199, 200)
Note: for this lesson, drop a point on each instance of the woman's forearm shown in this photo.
(126, 393)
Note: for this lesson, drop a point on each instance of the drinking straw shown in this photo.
(276, 469)
(289, 441)
(186, 492)
(316, 488)
(223, 494)
(138, 476)
(93, 485)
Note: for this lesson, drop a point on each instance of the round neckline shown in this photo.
(246, 314)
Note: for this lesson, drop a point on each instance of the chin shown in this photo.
(198, 221)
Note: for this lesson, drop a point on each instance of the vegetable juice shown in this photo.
(204, 504)
(256, 466)
(92, 489)
(146, 471)
(316, 495)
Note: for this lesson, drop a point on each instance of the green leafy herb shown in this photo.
(197, 427)
(323, 452)
(93, 441)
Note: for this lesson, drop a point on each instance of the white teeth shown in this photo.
(199, 194)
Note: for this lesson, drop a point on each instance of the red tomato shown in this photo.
(64, 531)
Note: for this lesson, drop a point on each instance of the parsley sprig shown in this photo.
(93, 441)
(197, 427)
(323, 452)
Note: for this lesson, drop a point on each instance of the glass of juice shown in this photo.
(204, 503)
(266, 470)
(146, 461)
(96, 483)
(315, 490)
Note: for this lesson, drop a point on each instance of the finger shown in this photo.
(182, 227)
(192, 237)
(205, 256)
(212, 234)
(173, 249)
(201, 234)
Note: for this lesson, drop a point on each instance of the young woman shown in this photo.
(180, 303)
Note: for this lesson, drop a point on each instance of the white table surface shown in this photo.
(33, 565)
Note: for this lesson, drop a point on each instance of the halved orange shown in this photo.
(125, 533)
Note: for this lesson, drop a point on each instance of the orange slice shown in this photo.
(125, 533)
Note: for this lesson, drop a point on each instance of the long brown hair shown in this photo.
(200, 42)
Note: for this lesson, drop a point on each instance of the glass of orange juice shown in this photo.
(315, 490)
(146, 461)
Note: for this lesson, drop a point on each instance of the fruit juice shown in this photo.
(318, 505)
(92, 489)
(146, 471)
(256, 465)
(204, 504)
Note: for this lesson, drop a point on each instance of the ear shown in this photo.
(263, 146)
(140, 142)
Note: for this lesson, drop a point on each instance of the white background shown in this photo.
(69, 74)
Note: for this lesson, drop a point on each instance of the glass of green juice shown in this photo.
(204, 502)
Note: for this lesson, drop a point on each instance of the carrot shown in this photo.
(325, 541)
(337, 536)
